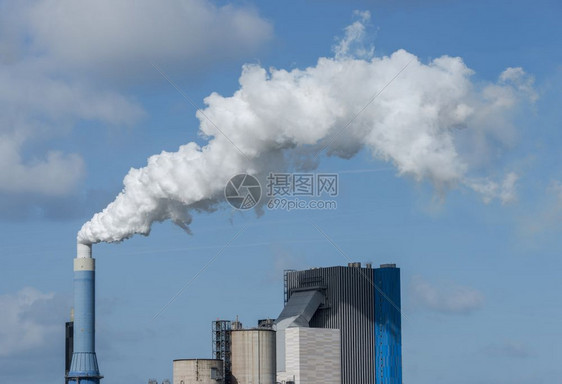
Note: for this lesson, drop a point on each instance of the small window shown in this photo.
(214, 374)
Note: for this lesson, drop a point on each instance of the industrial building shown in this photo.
(201, 371)
(362, 303)
(312, 355)
(338, 325)
(240, 356)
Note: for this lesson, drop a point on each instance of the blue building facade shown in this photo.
(388, 325)
(364, 304)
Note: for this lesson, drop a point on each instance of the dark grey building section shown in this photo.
(68, 347)
(300, 308)
(222, 346)
(348, 304)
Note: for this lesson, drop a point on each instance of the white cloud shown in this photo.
(29, 92)
(454, 299)
(56, 175)
(53, 55)
(35, 106)
(283, 259)
(25, 323)
(555, 188)
(353, 43)
(521, 80)
(489, 189)
(547, 214)
(509, 348)
(123, 37)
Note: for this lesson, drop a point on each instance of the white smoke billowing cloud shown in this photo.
(277, 113)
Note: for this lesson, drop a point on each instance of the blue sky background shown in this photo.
(480, 281)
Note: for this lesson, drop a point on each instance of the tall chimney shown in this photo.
(84, 367)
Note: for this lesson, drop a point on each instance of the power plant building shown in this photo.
(362, 303)
(197, 371)
(339, 325)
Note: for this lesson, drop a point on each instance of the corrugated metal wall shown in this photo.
(350, 307)
(68, 347)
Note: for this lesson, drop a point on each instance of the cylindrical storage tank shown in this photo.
(198, 371)
(253, 356)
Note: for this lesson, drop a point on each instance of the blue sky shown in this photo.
(82, 105)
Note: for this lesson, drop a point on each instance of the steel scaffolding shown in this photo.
(222, 346)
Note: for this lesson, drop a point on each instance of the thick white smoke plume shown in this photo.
(418, 123)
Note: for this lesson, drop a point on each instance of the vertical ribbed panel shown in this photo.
(388, 327)
(84, 364)
(69, 346)
(313, 355)
(350, 307)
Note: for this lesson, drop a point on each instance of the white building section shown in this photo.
(312, 356)
(197, 371)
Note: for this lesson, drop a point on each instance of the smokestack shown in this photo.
(84, 367)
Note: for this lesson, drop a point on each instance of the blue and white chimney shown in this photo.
(84, 367)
